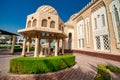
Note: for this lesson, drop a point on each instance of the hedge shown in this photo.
(20, 49)
(31, 65)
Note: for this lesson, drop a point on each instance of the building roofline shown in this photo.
(7, 32)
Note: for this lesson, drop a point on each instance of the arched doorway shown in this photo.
(70, 40)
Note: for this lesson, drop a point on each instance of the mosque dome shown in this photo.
(47, 9)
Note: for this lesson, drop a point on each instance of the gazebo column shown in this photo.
(13, 44)
(39, 48)
(45, 51)
(37, 42)
(40, 51)
(28, 46)
(56, 47)
(24, 46)
(49, 48)
(63, 45)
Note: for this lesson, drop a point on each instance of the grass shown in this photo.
(30, 65)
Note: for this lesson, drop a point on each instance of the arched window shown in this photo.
(103, 19)
(52, 24)
(63, 29)
(60, 26)
(29, 24)
(117, 22)
(34, 23)
(95, 23)
(44, 23)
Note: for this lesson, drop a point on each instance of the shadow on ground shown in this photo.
(67, 74)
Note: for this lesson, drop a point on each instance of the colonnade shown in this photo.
(38, 52)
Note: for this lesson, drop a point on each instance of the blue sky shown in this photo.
(13, 13)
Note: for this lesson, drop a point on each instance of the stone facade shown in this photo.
(96, 28)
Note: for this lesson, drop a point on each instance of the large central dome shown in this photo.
(48, 9)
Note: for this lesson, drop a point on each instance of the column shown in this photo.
(45, 51)
(56, 47)
(49, 48)
(63, 44)
(40, 51)
(37, 42)
(28, 46)
(39, 46)
(24, 46)
(13, 44)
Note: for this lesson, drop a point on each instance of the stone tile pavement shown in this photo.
(85, 69)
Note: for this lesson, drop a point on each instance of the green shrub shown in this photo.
(3, 47)
(113, 68)
(30, 65)
(32, 49)
(17, 49)
(9, 46)
(103, 73)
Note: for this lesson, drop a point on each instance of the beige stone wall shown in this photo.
(114, 49)
(86, 13)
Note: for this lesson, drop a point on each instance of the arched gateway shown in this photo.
(43, 24)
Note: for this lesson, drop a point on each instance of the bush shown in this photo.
(3, 47)
(30, 65)
(103, 73)
(17, 49)
(32, 49)
(9, 46)
(113, 68)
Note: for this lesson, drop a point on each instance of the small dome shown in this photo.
(48, 9)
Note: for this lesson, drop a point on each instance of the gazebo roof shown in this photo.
(7, 33)
(32, 33)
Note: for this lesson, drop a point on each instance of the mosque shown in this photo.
(94, 29)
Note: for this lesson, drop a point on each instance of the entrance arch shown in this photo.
(70, 40)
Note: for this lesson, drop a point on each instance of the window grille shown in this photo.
(106, 42)
(98, 46)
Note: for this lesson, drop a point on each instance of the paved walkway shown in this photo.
(85, 69)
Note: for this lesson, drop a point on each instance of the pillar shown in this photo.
(28, 46)
(63, 45)
(45, 51)
(13, 44)
(49, 48)
(37, 42)
(41, 51)
(56, 47)
(24, 46)
(39, 46)
(0, 32)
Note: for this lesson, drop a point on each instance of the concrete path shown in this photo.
(85, 69)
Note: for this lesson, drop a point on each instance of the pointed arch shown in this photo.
(34, 23)
(29, 24)
(52, 24)
(44, 23)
